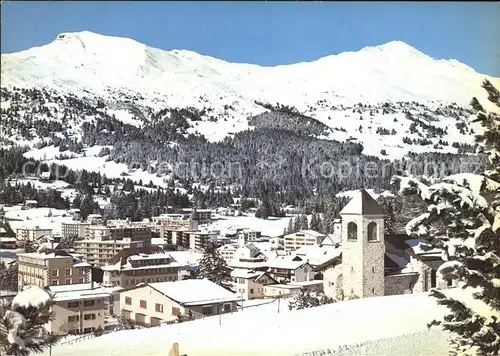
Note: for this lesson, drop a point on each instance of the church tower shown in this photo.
(363, 247)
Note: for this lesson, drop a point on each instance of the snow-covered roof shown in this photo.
(312, 233)
(151, 256)
(42, 255)
(287, 262)
(307, 283)
(332, 240)
(186, 257)
(247, 264)
(245, 273)
(362, 203)
(82, 291)
(195, 291)
(308, 232)
(82, 264)
(416, 246)
(318, 255)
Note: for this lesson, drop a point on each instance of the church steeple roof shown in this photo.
(362, 203)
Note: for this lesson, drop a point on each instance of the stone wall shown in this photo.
(332, 282)
(424, 268)
(400, 283)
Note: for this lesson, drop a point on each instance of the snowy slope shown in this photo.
(385, 325)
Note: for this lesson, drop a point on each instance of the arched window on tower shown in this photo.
(372, 231)
(352, 231)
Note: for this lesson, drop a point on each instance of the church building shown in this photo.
(375, 264)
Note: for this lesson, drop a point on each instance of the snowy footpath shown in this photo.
(393, 325)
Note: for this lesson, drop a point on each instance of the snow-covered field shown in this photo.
(30, 218)
(394, 325)
(271, 227)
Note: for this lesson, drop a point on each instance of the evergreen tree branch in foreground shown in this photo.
(22, 323)
(463, 220)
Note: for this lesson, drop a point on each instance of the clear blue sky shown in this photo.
(269, 33)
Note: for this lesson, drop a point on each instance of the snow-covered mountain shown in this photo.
(376, 96)
(86, 62)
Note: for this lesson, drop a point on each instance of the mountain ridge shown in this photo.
(96, 64)
(386, 97)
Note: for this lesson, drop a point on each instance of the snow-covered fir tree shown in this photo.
(22, 323)
(8, 276)
(214, 268)
(463, 219)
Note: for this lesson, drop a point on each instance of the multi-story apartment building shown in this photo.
(74, 229)
(144, 265)
(175, 222)
(199, 214)
(81, 308)
(102, 243)
(32, 233)
(131, 233)
(198, 239)
(101, 252)
(302, 238)
(49, 269)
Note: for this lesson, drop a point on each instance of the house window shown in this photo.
(433, 278)
(449, 282)
(207, 310)
(352, 231)
(143, 304)
(55, 282)
(67, 271)
(175, 311)
(72, 304)
(73, 318)
(81, 280)
(227, 307)
(69, 281)
(372, 231)
(89, 316)
(82, 272)
(128, 300)
(88, 303)
(251, 291)
(159, 308)
(55, 273)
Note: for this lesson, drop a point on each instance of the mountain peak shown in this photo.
(395, 46)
